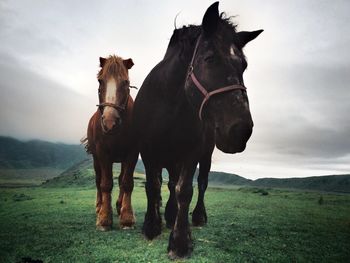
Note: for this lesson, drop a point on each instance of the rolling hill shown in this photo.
(16, 154)
(329, 183)
(28, 163)
(83, 174)
(55, 164)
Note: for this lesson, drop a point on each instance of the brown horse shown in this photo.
(108, 141)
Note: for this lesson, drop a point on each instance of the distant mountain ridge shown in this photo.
(16, 154)
(78, 169)
(327, 183)
(82, 174)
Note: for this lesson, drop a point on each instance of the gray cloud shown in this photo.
(298, 74)
(33, 106)
(306, 112)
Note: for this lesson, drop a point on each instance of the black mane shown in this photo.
(185, 37)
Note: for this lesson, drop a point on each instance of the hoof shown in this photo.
(128, 227)
(173, 256)
(127, 220)
(151, 230)
(199, 217)
(152, 226)
(104, 222)
(180, 246)
(103, 228)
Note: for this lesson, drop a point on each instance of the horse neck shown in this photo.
(175, 71)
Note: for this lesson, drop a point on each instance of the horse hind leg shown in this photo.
(127, 217)
(153, 222)
(171, 205)
(199, 214)
(121, 192)
(98, 187)
(104, 218)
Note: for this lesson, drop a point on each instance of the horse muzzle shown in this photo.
(110, 125)
(235, 139)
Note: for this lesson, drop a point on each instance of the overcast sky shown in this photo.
(298, 73)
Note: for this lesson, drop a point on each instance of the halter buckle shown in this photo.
(190, 70)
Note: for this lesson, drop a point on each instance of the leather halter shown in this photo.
(205, 93)
(119, 108)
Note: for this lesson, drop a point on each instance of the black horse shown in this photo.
(192, 100)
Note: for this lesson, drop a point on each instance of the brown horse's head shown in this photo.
(215, 81)
(113, 91)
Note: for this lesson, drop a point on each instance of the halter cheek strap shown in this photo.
(205, 93)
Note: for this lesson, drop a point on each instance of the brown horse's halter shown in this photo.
(207, 94)
(119, 108)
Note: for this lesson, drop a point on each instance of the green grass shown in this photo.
(58, 225)
(27, 177)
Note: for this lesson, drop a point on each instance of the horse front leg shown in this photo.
(104, 218)
(180, 241)
(153, 222)
(127, 218)
(199, 215)
(97, 168)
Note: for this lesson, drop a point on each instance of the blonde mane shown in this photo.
(113, 67)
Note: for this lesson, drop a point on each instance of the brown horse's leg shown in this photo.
(127, 217)
(98, 182)
(180, 242)
(199, 215)
(104, 218)
(153, 222)
(171, 205)
(121, 193)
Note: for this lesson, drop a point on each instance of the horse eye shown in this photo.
(125, 84)
(209, 59)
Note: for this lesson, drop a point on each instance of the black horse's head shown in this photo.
(215, 85)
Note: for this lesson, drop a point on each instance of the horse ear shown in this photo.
(211, 19)
(128, 63)
(245, 36)
(102, 62)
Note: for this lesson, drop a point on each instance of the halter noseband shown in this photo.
(119, 108)
(196, 82)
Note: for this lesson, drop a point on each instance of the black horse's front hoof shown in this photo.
(180, 246)
(199, 217)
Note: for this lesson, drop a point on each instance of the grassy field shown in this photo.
(244, 225)
(27, 177)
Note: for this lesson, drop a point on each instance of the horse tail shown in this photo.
(84, 141)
